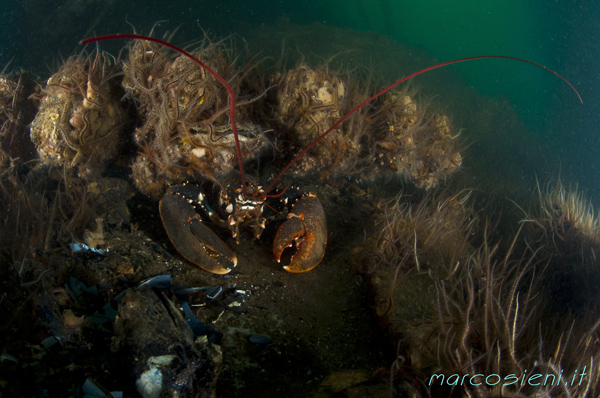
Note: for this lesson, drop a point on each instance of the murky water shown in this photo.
(395, 317)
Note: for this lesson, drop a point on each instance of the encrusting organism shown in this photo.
(80, 117)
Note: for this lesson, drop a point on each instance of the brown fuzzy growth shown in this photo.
(455, 310)
(15, 113)
(409, 140)
(79, 120)
(430, 237)
(186, 128)
(309, 101)
(566, 222)
(564, 230)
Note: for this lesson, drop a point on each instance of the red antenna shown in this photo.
(336, 124)
(388, 88)
(238, 149)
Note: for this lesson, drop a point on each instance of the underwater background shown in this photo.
(507, 243)
(559, 35)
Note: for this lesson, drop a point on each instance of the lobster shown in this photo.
(184, 207)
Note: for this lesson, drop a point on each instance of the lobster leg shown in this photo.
(306, 225)
(192, 238)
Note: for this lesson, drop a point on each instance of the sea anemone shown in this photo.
(563, 230)
(565, 221)
(80, 117)
(407, 138)
(490, 322)
(452, 311)
(308, 102)
(415, 244)
(16, 112)
(185, 128)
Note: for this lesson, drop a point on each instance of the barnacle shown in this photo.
(79, 120)
(309, 102)
(185, 129)
(410, 140)
(15, 113)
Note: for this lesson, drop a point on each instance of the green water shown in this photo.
(512, 27)
(560, 35)
(515, 28)
(521, 123)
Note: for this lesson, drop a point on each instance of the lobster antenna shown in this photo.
(238, 149)
(385, 90)
(336, 124)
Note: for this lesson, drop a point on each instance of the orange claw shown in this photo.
(307, 226)
(192, 238)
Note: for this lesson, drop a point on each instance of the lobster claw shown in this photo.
(306, 225)
(191, 237)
